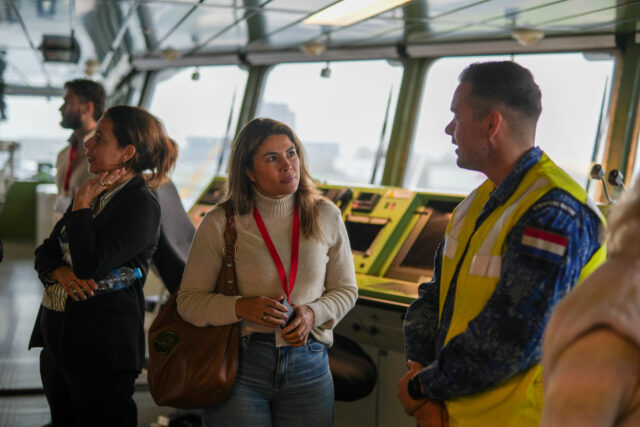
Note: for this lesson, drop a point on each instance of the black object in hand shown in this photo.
(291, 313)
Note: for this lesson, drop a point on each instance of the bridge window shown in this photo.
(39, 145)
(338, 111)
(199, 108)
(573, 88)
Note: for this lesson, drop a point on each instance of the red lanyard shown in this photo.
(295, 242)
(67, 175)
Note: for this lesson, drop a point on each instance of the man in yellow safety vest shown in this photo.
(513, 248)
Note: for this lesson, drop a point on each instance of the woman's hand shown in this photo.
(94, 187)
(262, 310)
(76, 288)
(297, 332)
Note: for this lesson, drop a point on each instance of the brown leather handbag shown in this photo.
(195, 367)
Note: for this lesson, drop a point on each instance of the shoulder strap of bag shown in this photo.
(229, 286)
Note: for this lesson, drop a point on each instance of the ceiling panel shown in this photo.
(307, 6)
(444, 7)
(134, 38)
(286, 29)
(370, 29)
(277, 20)
(581, 12)
(498, 17)
(23, 68)
(12, 36)
(446, 31)
(233, 40)
(164, 16)
(24, 63)
(201, 25)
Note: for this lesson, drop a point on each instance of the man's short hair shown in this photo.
(505, 83)
(89, 91)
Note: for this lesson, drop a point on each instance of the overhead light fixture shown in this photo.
(347, 12)
(91, 66)
(313, 48)
(60, 49)
(527, 37)
(170, 54)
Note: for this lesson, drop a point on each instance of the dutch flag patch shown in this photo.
(544, 245)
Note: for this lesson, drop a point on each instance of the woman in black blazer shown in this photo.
(93, 345)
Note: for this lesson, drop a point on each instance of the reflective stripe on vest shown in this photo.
(485, 264)
(451, 237)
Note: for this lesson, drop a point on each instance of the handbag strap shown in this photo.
(228, 264)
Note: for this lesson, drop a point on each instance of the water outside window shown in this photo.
(338, 111)
(572, 93)
(199, 108)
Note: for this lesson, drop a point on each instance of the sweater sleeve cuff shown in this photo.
(320, 316)
(226, 310)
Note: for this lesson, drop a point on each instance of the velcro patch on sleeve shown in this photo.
(543, 244)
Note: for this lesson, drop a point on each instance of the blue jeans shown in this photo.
(277, 387)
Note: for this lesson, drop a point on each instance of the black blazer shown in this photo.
(106, 332)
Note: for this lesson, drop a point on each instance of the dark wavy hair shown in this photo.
(239, 187)
(155, 151)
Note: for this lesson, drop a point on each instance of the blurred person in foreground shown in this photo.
(93, 344)
(292, 246)
(591, 352)
(513, 248)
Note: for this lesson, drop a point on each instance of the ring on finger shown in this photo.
(102, 183)
(264, 317)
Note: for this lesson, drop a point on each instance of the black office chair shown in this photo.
(176, 234)
(354, 373)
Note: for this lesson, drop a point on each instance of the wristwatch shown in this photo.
(414, 388)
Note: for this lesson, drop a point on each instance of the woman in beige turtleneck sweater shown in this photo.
(283, 377)
(591, 351)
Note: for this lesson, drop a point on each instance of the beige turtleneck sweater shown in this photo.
(325, 280)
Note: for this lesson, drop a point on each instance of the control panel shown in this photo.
(205, 202)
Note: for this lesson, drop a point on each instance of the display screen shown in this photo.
(415, 259)
(423, 251)
(366, 196)
(363, 232)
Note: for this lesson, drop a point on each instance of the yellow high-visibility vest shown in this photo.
(516, 401)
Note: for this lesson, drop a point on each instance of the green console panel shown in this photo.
(207, 199)
(411, 257)
(382, 289)
(374, 218)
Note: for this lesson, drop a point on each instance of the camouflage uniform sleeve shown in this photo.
(421, 321)
(505, 338)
